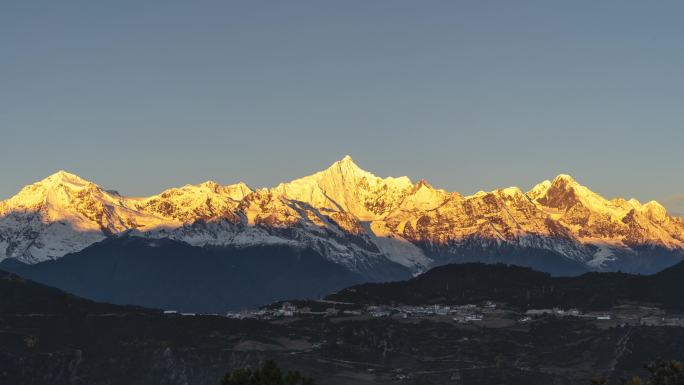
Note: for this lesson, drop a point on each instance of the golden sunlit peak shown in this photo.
(655, 211)
(423, 183)
(347, 159)
(210, 184)
(346, 163)
(64, 176)
(564, 178)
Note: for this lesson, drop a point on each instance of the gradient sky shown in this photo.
(470, 95)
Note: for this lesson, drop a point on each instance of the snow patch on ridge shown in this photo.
(348, 214)
(396, 248)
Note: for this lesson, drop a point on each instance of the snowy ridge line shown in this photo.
(349, 215)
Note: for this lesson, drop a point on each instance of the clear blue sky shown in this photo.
(470, 95)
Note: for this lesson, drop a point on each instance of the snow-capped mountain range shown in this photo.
(351, 217)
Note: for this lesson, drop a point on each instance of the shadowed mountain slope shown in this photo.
(168, 274)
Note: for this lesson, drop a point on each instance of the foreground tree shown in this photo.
(269, 374)
(661, 372)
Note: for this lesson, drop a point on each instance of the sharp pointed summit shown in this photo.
(347, 166)
(344, 185)
(68, 176)
(55, 190)
(62, 176)
(563, 192)
(564, 178)
(347, 214)
(346, 159)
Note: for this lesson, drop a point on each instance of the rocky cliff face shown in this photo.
(352, 217)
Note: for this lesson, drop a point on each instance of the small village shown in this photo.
(488, 314)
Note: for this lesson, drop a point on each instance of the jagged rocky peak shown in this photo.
(57, 189)
(564, 179)
(622, 202)
(343, 210)
(211, 185)
(189, 203)
(423, 188)
(424, 197)
(617, 222)
(655, 211)
(565, 194)
(208, 189)
(235, 191)
(512, 191)
(561, 193)
(344, 186)
(539, 190)
(346, 163)
(561, 181)
(346, 170)
(62, 178)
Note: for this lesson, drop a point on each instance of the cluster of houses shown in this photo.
(286, 309)
(465, 313)
(565, 313)
(462, 314)
(661, 321)
(642, 316)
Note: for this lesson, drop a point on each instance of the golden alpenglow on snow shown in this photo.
(510, 211)
(347, 214)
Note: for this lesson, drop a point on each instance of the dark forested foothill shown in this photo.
(48, 337)
(522, 287)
